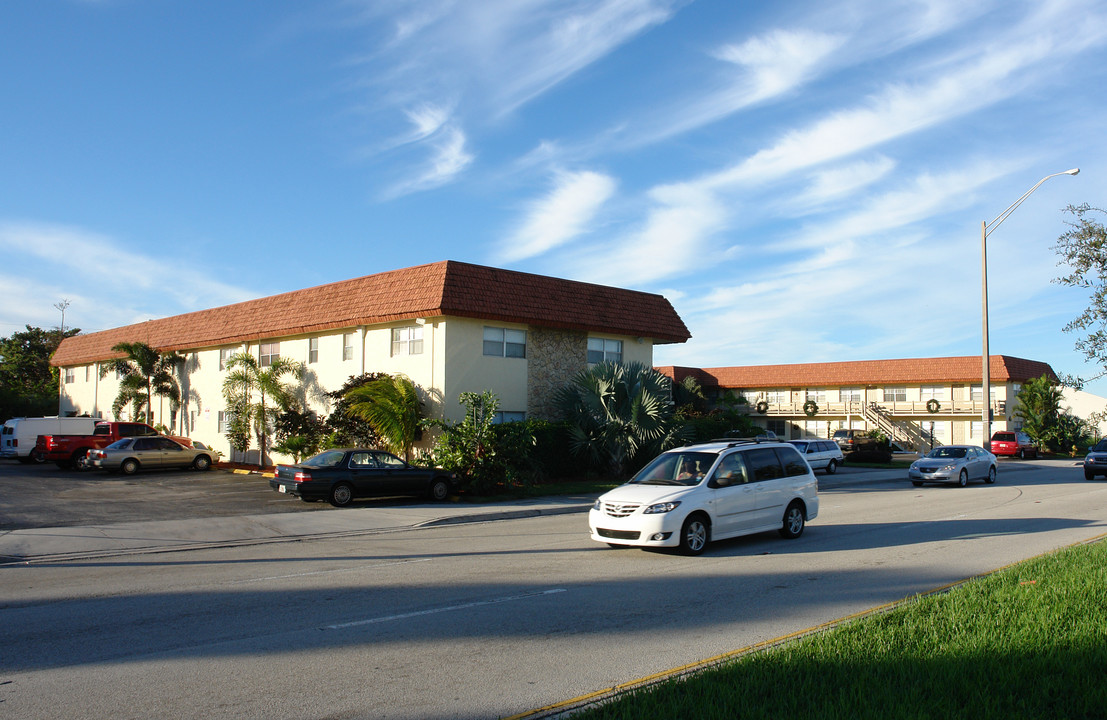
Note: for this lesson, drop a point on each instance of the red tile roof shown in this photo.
(447, 288)
(915, 371)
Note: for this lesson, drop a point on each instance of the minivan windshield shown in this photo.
(676, 468)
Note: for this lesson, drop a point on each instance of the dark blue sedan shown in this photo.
(341, 476)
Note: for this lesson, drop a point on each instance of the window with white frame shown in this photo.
(604, 350)
(313, 350)
(776, 397)
(895, 394)
(816, 394)
(816, 429)
(347, 346)
(932, 392)
(70, 376)
(407, 340)
(505, 342)
(976, 392)
(851, 394)
(780, 427)
(268, 353)
(225, 419)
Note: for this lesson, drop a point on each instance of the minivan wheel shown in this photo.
(694, 535)
(792, 525)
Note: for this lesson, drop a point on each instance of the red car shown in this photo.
(1006, 442)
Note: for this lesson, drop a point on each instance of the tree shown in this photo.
(392, 407)
(1040, 407)
(343, 427)
(246, 378)
(1083, 248)
(468, 447)
(145, 373)
(28, 385)
(620, 415)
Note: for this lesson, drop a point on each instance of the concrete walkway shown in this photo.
(66, 543)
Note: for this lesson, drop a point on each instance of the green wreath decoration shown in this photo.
(810, 408)
(933, 405)
(762, 407)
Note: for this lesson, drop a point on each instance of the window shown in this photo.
(504, 342)
(895, 394)
(224, 356)
(506, 417)
(347, 346)
(776, 397)
(933, 392)
(225, 419)
(851, 394)
(780, 427)
(818, 395)
(407, 340)
(764, 464)
(604, 350)
(976, 392)
(313, 350)
(70, 376)
(268, 353)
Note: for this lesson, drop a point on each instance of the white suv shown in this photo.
(691, 495)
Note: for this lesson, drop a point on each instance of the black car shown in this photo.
(1095, 462)
(340, 476)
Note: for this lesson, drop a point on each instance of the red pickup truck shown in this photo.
(71, 451)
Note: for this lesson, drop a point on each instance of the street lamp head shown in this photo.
(1074, 171)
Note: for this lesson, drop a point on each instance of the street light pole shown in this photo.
(986, 230)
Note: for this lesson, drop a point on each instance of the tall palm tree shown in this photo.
(392, 407)
(619, 413)
(246, 379)
(145, 372)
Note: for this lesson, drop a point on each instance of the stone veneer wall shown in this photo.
(553, 357)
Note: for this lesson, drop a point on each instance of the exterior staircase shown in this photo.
(906, 435)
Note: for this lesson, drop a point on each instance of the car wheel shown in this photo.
(80, 460)
(792, 525)
(37, 457)
(963, 478)
(917, 483)
(1022, 454)
(202, 462)
(831, 467)
(991, 475)
(439, 489)
(129, 466)
(341, 495)
(1089, 475)
(694, 535)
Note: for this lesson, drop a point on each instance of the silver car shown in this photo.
(954, 464)
(149, 452)
(820, 454)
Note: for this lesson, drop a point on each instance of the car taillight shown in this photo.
(302, 476)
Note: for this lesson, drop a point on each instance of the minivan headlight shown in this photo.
(660, 508)
(597, 506)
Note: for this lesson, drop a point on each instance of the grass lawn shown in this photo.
(1029, 641)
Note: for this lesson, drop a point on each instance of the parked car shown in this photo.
(1006, 442)
(72, 451)
(19, 435)
(848, 440)
(687, 497)
(820, 454)
(149, 452)
(1095, 462)
(340, 476)
(954, 464)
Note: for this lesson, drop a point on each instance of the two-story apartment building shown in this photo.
(915, 402)
(451, 327)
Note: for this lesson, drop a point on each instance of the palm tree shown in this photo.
(392, 407)
(1040, 406)
(145, 372)
(619, 413)
(247, 378)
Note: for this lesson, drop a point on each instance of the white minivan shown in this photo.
(18, 435)
(687, 497)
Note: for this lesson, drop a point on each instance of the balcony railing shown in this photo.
(900, 408)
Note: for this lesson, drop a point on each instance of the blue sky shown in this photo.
(805, 181)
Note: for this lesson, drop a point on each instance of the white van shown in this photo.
(18, 436)
(690, 496)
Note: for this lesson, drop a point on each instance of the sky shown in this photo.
(804, 181)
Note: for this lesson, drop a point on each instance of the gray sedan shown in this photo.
(954, 464)
(132, 454)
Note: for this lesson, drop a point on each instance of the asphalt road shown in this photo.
(488, 619)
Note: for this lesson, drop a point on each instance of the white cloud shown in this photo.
(560, 216)
(449, 158)
(780, 60)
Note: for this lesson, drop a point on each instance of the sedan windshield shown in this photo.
(687, 468)
(947, 452)
(330, 458)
